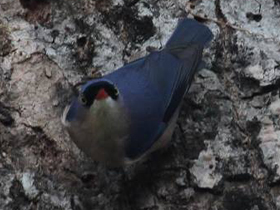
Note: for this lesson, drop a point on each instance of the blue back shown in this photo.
(146, 87)
(153, 86)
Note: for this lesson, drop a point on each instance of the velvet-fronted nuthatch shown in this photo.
(127, 114)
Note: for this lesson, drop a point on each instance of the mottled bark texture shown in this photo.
(225, 153)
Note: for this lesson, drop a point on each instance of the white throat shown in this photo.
(105, 108)
(101, 131)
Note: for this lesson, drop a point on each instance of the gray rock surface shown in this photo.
(225, 152)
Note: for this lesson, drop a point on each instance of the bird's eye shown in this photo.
(116, 92)
(83, 99)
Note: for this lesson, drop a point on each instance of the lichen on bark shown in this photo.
(225, 150)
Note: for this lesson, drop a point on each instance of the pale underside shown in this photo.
(103, 131)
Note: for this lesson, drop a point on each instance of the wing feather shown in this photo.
(152, 89)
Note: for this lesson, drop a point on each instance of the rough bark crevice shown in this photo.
(225, 150)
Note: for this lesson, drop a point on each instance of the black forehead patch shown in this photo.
(91, 88)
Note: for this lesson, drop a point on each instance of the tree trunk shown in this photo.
(225, 152)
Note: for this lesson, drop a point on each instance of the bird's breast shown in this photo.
(102, 133)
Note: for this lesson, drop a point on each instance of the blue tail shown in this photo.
(189, 31)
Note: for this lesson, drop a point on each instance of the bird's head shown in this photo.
(95, 98)
(96, 121)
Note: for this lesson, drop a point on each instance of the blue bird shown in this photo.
(127, 114)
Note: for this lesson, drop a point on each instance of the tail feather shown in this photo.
(189, 31)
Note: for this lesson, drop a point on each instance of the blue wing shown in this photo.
(153, 87)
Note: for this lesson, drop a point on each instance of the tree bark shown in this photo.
(225, 152)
